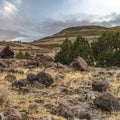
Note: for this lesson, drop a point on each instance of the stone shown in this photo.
(100, 86)
(79, 64)
(31, 77)
(10, 114)
(84, 115)
(46, 118)
(45, 78)
(10, 78)
(7, 53)
(108, 102)
(20, 83)
(64, 111)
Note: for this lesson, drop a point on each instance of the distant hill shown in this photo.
(81, 30)
(89, 32)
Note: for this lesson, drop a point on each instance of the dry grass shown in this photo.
(52, 96)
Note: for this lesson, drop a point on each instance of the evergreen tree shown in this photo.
(64, 55)
(81, 48)
(106, 49)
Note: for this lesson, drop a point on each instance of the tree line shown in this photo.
(103, 52)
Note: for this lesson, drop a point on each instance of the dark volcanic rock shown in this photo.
(10, 114)
(7, 53)
(64, 111)
(79, 64)
(31, 77)
(45, 78)
(45, 61)
(10, 78)
(108, 102)
(84, 115)
(20, 83)
(100, 86)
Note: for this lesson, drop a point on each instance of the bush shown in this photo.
(27, 55)
(69, 51)
(106, 49)
(20, 55)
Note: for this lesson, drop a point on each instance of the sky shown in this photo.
(29, 20)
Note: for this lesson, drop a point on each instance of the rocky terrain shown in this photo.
(40, 89)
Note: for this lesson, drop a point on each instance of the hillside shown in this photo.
(52, 43)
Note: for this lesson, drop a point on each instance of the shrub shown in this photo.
(27, 55)
(20, 55)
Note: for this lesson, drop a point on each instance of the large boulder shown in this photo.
(100, 86)
(44, 60)
(79, 64)
(45, 78)
(108, 102)
(10, 114)
(7, 53)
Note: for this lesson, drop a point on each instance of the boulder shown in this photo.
(44, 60)
(45, 79)
(64, 111)
(10, 78)
(84, 115)
(31, 77)
(108, 102)
(7, 53)
(20, 83)
(100, 86)
(10, 114)
(79, 64)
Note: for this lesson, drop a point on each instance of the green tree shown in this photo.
(106, 49)
(69, 51)
(64, 55)
(82, 48)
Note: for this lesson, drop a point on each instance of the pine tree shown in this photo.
(81, 48)
(106, 49)
(64, 55)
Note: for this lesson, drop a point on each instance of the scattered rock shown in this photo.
(31, 77)
(84, 115)
(100, 86)
(64, 111)
(46, 118)
(10, 78)
(79, 64)
(45, 61)
(7, 53)
(37, 84)
(108, 102)
(20, 83)
(10, 114)
(45, 78)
